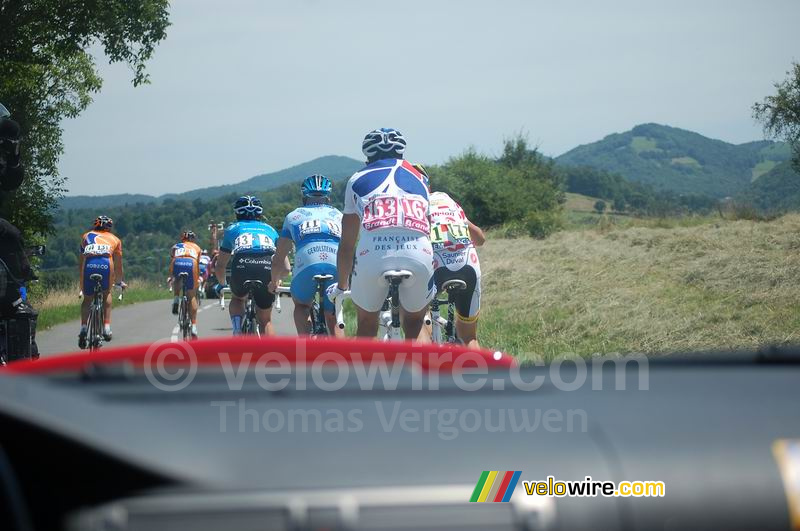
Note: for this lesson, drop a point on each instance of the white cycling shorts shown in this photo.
(383, 250)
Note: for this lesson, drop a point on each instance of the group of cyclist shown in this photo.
(391, 221)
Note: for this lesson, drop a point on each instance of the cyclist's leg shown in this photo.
(302, 289)
(264, 301)
(367, 322)
(468, 305)
(416, 293)
(368, 289)
(191, 294)
(236, 312)
(328, 308)
(333, 329)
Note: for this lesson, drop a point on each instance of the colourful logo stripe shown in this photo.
(512, 485)
(503, 486)
(487, 486)
(495, 487)
(479, 487)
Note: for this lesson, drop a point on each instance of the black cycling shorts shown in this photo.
(467, 301)
(252, 267)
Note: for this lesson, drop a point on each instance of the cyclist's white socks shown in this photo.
(194, 329)
(107, 329)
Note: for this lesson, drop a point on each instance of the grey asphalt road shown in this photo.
(151, 321)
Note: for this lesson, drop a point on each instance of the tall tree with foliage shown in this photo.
(47, 75)
(519, 187)
(780, 113)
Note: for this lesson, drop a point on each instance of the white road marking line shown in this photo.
(177, 329)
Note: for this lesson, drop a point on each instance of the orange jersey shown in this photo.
(98, 249)
(186, 250)
(186, 259)
(100, 243)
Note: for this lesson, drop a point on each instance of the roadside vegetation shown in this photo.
(643, 286)
(63, 305)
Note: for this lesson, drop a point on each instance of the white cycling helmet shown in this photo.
(383, 141)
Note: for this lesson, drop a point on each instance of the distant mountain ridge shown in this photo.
(682, 161)
(334, 167)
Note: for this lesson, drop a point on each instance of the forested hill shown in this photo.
(778, 190)
(333, 166)
(681, 161)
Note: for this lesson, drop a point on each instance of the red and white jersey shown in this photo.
(450, 239)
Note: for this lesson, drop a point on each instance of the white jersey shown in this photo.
(388, 195)
(391, 200)
(450, 239)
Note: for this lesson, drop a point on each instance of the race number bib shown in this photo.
(181, 252)
(311, 226)
(97, 249)
(450, 236)
(249, 241)
(382, 212)
(334, 228)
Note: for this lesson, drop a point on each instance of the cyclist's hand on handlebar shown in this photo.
(219, 287)
(334, 291)
(273, 286)
(121, 284)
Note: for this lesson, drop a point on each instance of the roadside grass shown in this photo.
(643, 286)
(62, 306)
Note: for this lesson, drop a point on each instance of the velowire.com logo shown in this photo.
(494, 486)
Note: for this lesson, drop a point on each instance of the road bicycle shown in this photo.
(95, 336)
(389, 327)
(94, 326)
(250, 320)
(318, 325)
(444, 330)
(184, 321)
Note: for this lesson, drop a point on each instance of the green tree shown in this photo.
(780, 113)
(600, 206)
(46, 75)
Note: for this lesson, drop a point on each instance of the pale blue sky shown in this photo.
(246, 87)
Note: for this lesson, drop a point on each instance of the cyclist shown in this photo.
(205, 260)
(454, 239)
(101, 252)
(386, 212)
(186, 259)
(314, 229)
(250, 245)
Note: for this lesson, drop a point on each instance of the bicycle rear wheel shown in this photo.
(94, 330)
(185, 322)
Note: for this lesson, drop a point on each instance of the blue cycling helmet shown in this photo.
(248, 207)
(316, 185)
(384, 141)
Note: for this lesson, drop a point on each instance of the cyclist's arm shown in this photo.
(280, 262)
(347, 246)
(81, 261)
(476, 234)
(119, 274)
(222, 263)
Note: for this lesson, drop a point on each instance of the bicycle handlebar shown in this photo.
(280, 291)
(339, 308)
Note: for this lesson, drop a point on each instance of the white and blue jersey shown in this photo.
(315, 230)
(391, 200)
(389, 194)
(249, 237)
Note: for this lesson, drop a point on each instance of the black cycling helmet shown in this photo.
(248, 207)
(103, 223)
